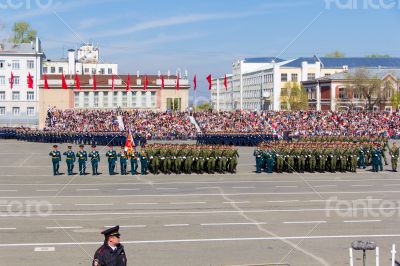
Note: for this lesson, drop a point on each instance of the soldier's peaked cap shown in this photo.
(113, 231)
(93, 146)
(81, 146)
(69, 147)
(55, 146)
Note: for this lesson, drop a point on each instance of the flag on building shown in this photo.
(94, 82)
(112, 81)
(11, 80)
(195, 82)
(226, 82)
(128, 83)
(146, 82)
(46, 83)
(64, 83)
(209, 79)
(177, 83)
(30, 81)
(162, 82)
(77, 82)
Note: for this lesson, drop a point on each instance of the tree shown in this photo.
(205, 106)
(379, 56)
(23, 33)
(294, 96)
(372, 88)
(336, 54)
(395, 100)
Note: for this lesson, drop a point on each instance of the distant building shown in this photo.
(222, 97)
(257, 82)
(19, 104)
(153, 98)
(86, 61)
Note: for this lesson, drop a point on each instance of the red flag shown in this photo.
(64, 83)
(128, 83)
(177, 83)
(129, 143)
(226, 82)
(112, 81)
(11, 80)
(30, 81)
(146, 82)
(162, 82)
(77, 83)
(195, 82)
(209, 78)
(46, 83)
(94, 82)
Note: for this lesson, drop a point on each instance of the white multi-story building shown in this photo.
(222, 97)
(19, 104)
(257, 83)
(86, 61)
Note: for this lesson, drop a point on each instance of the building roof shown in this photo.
(263, 60)
(351, 62)
(17, 48)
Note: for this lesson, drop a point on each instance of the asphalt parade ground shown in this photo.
(242, 219)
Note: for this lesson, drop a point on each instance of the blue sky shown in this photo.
(206, 36)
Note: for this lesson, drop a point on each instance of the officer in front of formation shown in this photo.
(111, 253)
(70, 160)
(123, 159)
(55, 159)
(134, 156)
(94, 159)
(82, 159)
(112, 158)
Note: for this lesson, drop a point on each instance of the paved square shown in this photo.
(297, 219)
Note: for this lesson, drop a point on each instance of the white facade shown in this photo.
(221, 97)
(86, 62)
(19, 105)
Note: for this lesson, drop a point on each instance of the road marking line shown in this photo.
(143, 203)
(44, 249)
(8, 228)
(362, 185)
(318, 200)
(236, 202)
(127, 226)
(94, 204)
(285, 186)
(175, 225)
(362, 221)
(166, 188)
(207, 187)
(322, 186)
(87, 189)
(64, 227)
(183, 203)
(222, 224)
(282, 201)
(243, 187)
(391, 185)
(46, 190)
(8, 190)
(128, 189)
(306, 222)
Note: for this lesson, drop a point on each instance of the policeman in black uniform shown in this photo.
(111, 253)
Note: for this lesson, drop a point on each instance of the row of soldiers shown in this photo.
(78, 138)
(156, 158)
(237, 139)
(321, 156)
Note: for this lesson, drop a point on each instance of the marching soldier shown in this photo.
(55, 159)
(394, 154)
(111, 252)
(134, 161)
(123, 160)
(112, 157)
(94, 159)
(82, 159)
(259, 159)
(70, 160)
(143, 162)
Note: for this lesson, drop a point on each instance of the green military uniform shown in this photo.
(82, 159)
(123, 160)
(394, 155)
(143, 162)
(112, 158)
(55, 159)
(259, 159)
(134, 162)
(70, 160)
(94, 160)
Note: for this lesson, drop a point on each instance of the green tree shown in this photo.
(379, 56)
(336, 54)
(372, 88)
(294, 96)
(23, 33)
(395, 100)
(205, 106)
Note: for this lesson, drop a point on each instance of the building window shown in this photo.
(327, 75)
(2, 80)
(134, 99)
(2, 95)
(15, 64)
(144, 102)
(76, 99)
(30, 64)
(153, 99)
(102, 71)
(2, 110)
(283, 77)
(86, 99)
(30, 111)
(15, 95)
(110, 71)
(60, 70)
(93, 71)
(2, 63)
(105, 99)
(342, 93)
(124, 99)
(115, 99)
(86, 70)
(356, 94)
(30, 96)
(295, 77)
(16, 80)
(53, 70)
(45, 70)
(15, 110)
(96, 99)
(311, 76)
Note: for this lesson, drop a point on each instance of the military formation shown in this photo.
(155, 158)
(77, 138)
(324, 156)
(236, 139)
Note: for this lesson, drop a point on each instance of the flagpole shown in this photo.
(195, 101)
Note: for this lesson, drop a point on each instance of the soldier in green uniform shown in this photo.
(375, 159)
(94, 156)
(134, 161)
(394, 155)
(55, 159)
(259, 159)
(270, 161)
(70, 160)
(178, 161)
(123, 158)
(143, 162)
(233, 155)
(211, 160)
(82, 159)
(290, 159)
(112, 157)
(361, 157)
(279, 160)
(313, 159)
